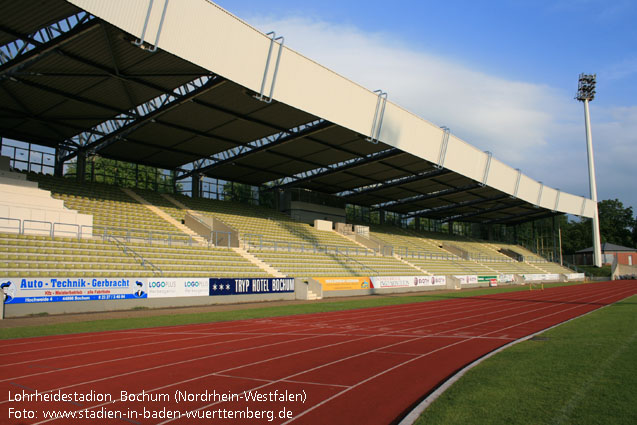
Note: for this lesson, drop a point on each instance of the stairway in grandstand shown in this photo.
(293, 248)
(130, 239)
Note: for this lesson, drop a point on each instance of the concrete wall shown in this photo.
(204, 226)
(623, 270)
(37, 211)
(306, 212)
(18, 310)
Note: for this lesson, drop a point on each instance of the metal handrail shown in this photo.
(291, 246)
(489, 259)
(76, 232)
(50, 231)
(343, 252)
(425, 255)
(364, 266)
(137, 255)
(134, 234)
(19, 228)
(216, 237)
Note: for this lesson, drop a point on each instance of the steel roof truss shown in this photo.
(428, 196)
(461, 217)
(118, 127)
(26, 49)
(263, 144)
(342, 166)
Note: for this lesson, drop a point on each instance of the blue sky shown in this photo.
(501, 74)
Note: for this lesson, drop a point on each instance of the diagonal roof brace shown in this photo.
(460, 217)
(428, 196)
(424, 213)
(539, 195)
(339, 167)
(273, 40)
(557, 200)
(118, 127)
(28, 48)
(487, 165)
(517, 183)
(262, 144)
(379, 113)
(521, 218)
(140, 41)
(394, 182)
(443, 148)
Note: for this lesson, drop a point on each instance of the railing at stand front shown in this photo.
(133, 235)
(53, 229)
(214, 235)
(5, 221)
(424, 255)
(76, 232)
(258, 242)
(37, 229)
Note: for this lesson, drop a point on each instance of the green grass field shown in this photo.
(582, 372)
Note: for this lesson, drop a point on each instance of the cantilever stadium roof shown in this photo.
(73, 75)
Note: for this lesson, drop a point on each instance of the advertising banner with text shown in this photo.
(405, 281)
(57, 289)
(506, 278)
(178, 287)
(467, 280)
(250, 286)
(343, 283)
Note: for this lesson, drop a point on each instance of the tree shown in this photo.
(576, 234)
(616, 223)
(124, 174)
(239, 192)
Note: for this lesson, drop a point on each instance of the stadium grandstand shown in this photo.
(266, 165)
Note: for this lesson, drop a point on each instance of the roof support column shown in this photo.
(58, 168)
(80, 170)
(554, 228)
(195, 186)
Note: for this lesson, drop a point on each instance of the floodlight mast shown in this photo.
(586, 93)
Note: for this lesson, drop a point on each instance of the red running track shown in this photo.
(365, 366)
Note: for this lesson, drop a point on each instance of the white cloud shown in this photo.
(534, 127)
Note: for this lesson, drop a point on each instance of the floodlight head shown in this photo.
(586, 87)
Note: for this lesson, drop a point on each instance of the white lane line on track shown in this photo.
(189, 380)
(413, 416)
(338, 360)
(487, 308)
(417, 358)
(481, 308)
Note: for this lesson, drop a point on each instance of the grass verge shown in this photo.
(175, 318)
(603, 271)
(583, 372)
